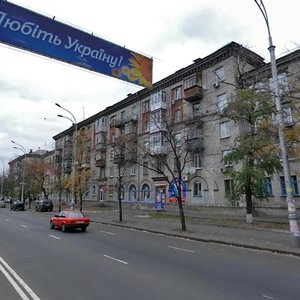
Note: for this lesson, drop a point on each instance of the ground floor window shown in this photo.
(145, 192)
(132, 193)
(229, 189)
(268, 187)
(294, 184)
(197, 189)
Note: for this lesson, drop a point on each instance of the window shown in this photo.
(177, 93)
(122, 117)
(197, 161)
(133, 169)
(145, 168)
(189, 82)
(229, 188)
(102, 172)
(132, 193)
(177, 138)
(197, 189)
(111, 190)
(177, 164)
(222, 102)
(134, 112)
(177, 117)
(196, 109)
(268, 187)
(283, 88)
(145, 192)
(220, 75)
(146, 126)
(146, 106)
(227, 163)
(224, 129)
(112, 120)
(111, 171)
(294, 184)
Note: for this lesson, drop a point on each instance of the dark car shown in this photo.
(17, 205)
(44, 205)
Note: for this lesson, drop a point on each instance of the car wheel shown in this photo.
(83, 228)
(51, 225)
(64, 228)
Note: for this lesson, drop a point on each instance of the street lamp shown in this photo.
(292, 216)
(2, 179)
(74, 122)
(20, 147)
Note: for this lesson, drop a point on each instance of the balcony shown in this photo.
(158, 126)
(158, 150)
(193, 93)
(101, 162)
(194, 145)
(132, 157)
(101, 146)
(195, 119)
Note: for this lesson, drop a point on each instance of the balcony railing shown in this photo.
(193, 93)
(194, 145)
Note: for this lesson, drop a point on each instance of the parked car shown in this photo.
(67, 219)
(2, 203)
(44, 205)
(17, 205)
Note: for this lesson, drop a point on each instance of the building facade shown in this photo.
(191, 102)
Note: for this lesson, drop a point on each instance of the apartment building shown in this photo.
(191, 102)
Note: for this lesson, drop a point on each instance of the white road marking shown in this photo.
(25, 226)
(7, 220)
(107, 232)
(55, 237)
(268, 297)
(181, 249)
(115, 259)
(18, 279)
(13, 283)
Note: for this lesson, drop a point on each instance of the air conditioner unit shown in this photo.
(216, 84)
(223, 170)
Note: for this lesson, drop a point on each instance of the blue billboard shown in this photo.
(30, 31)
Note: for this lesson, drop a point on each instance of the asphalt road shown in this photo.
(109, 262)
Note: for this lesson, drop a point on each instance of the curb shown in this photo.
(203, 240)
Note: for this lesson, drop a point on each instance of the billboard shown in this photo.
(30, 31)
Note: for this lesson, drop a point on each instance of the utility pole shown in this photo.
(292, 216)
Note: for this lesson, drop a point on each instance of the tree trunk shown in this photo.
(119, 198)
(182, 217)
(249, 205)
(120, 209)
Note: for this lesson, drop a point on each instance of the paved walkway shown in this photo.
(270, 234)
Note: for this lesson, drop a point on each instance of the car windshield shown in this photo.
(75, 214)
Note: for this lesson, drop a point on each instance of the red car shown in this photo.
(67, 219)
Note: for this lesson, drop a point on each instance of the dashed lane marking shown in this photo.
(181, 249)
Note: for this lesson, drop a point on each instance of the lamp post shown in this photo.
(20, 147)
(74, 122)
(292, 216)
(2, 179)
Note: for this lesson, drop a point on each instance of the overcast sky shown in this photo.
(173, 32)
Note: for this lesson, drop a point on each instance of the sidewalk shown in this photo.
(269, 234)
